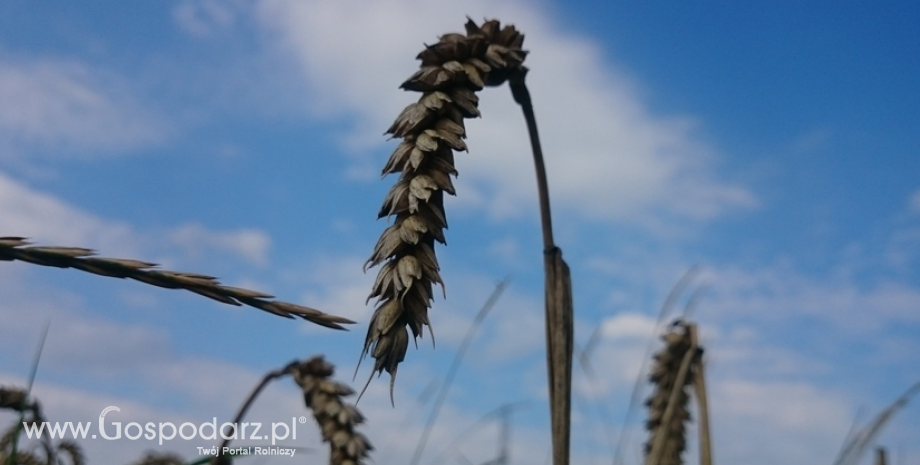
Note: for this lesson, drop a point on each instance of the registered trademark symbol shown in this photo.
(303, 419)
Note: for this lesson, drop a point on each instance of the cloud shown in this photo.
(751, 419)
(58, 107)
(914, 202)
(50, 221)
(250, 244)
(628, 326)
(30, 213)
(609, 156)
(202, 18)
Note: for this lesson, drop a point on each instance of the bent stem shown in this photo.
(219, 458)
(559, 308)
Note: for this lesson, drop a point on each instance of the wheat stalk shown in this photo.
(15, 248)
(452, 70)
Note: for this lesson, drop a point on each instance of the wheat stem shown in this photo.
(559, 308)
(702, 404)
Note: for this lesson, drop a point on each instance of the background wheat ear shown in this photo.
(431, 129)
(337, 420)
(671, 374)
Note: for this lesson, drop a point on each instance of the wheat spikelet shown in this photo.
(431, 129)
(337, 420)
(14, 248)
(667, 405)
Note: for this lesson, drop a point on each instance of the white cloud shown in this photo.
(48, 220)
(914, 202)
(66, 107)
(202, 18)
(250, 244)
(608, 156)
(777, 422)
(340, 287)
(30, 213)
(628, 326)
(780, 295)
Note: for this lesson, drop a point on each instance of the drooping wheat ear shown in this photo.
(14, 248)
(337, 420)
(431, 129)
(668, 413)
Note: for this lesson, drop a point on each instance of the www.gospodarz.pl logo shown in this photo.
(164, 431)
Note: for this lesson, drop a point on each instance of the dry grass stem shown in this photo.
(455, 366)
(853, 450)
(15, 248)
(452, 70)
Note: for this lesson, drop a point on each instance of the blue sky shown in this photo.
(774, 144)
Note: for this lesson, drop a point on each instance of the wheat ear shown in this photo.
(668, 413)
(337, 420)
(431, 129)
(14, 248)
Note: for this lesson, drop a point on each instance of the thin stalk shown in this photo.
(522, 97)
(852, 451)
(702, 403)
(880, 456)
(559, 308)
(455, 365)
(269, 377)
(22, 411)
